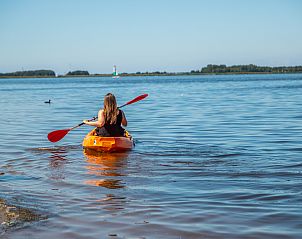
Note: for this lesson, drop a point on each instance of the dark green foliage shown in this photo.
(249, 69)
(77, 73)
(37, 73)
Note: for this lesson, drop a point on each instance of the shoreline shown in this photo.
(12, 216)
(164, 74)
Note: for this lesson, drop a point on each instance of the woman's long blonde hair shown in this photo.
(110, 109)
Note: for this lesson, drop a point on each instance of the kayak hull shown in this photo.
(107, 144)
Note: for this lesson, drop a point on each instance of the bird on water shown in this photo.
(47, 102)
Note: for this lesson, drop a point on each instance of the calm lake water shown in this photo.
(215, 157)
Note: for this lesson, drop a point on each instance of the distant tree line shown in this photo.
(42, 73)
(36, 73)
(247, 69)
(151, 73)
(77, 73)
(209, 69)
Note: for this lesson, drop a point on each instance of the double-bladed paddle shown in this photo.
(57, 135)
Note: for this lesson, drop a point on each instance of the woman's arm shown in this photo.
(99, 123)
(124, 120)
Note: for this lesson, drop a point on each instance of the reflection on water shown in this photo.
(107, 183)
(107, 167)
(57, 158)
(57, 161)
(112, 202)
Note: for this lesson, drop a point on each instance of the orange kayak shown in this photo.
(107, 144)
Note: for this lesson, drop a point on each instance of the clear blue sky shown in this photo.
(148, 35)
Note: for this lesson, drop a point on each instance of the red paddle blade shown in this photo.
(57, 135)
(141, 97)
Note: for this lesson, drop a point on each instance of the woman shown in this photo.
(110, 119)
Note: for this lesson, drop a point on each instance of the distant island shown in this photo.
(77, 73)
(223, 69)
(209, 69)
(37, 73)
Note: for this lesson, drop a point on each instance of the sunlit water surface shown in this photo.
(215, 157)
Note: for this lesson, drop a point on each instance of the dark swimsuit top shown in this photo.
(113, 130)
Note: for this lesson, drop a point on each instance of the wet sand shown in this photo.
(14, 216)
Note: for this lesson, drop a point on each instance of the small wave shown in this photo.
(279, 217)
(55, 148)
(264, 174)
(188, 149)
(227, 155)
(298, 165)
(274, 197)
(294, 149)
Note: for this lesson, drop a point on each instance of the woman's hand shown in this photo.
(99, 123)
